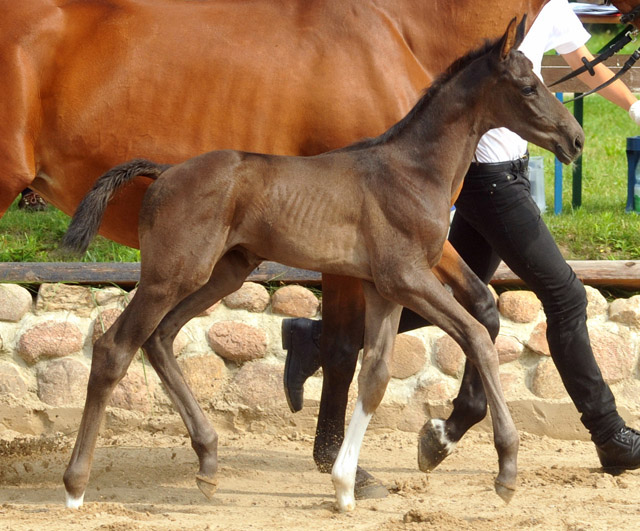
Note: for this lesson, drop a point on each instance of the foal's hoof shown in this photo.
(433, 445)
(506, 493)
(370, 489)
(74, 502)
(207, 486)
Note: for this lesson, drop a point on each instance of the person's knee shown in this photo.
(569, 303)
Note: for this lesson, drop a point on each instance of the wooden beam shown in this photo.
(127, 274)
(598, 273)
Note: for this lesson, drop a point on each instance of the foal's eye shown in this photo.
(528, 90)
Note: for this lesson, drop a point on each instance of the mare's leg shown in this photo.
(424, 294)
(382, 317)
(228, 275)
(18, 125)
(341, 340)
(112, 355)
(438, 437)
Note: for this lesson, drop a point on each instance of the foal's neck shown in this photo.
(446, 129)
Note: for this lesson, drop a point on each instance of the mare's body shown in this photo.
(87, 85)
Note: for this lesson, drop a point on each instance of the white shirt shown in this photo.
(557, 27)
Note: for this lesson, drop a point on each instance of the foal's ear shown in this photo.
(513, 37)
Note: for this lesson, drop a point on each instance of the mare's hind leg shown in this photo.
(381, 327)
(112, 355)
(425, 295)
(340, 342)
(227, 276)
(438, 437)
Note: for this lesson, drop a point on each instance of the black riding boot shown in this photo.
(301, 340)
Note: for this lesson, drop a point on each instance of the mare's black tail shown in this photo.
(88, 216)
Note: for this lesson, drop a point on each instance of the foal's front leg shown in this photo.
(425, 295)
(381, 326)
(438, 437)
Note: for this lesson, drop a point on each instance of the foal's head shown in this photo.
(516, 98)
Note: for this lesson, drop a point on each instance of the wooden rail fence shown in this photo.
(597, 273)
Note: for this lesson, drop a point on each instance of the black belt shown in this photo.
(483, 168)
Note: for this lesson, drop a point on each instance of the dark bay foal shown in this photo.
(377, 211)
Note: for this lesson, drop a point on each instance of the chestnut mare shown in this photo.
(87, 85)
(377, 210)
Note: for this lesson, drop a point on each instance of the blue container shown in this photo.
(633, 174)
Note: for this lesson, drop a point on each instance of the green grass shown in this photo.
(599, 229)
(35, 237)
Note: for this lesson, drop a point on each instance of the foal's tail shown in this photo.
(88, 216)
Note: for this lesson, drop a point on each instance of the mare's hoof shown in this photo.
(370, 489)
(506, 493)
(207, 486)
(433, 445)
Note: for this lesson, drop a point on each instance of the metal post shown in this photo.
(578, 112)
(557, 178)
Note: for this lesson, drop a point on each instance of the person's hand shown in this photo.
(634, 112)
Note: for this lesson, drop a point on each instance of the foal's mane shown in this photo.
(442, 80)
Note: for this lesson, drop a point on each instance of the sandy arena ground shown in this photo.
(146, 482)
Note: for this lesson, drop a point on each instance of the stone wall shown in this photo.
(233, 359)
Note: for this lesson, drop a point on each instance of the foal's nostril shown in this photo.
(578, 142)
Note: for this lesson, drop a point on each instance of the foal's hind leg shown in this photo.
(112, 355)
(438, 437)
(381, 326)
(227, 276)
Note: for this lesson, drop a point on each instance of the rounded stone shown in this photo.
(135, 391)
(236, 341)
(295, 301)
(15, 302)
(519, 306)
(433, 391)
(546, 381)
(449, 356)
(626, 311)
(103, 322)
(110, 295)
(614, 354)
(205, 375)
(63, 382)
(251, 297)
(50, 339)
(509, 348)
(409, 356)
(258, 385)
(538, 340)
(596, 302)
(11, 382)
(64, 297)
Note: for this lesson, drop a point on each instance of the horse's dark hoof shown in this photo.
(32, 202)
(207, 486)
(433, 445)
(370, 489)
(506, 493)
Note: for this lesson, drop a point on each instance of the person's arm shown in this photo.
(617, 92)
